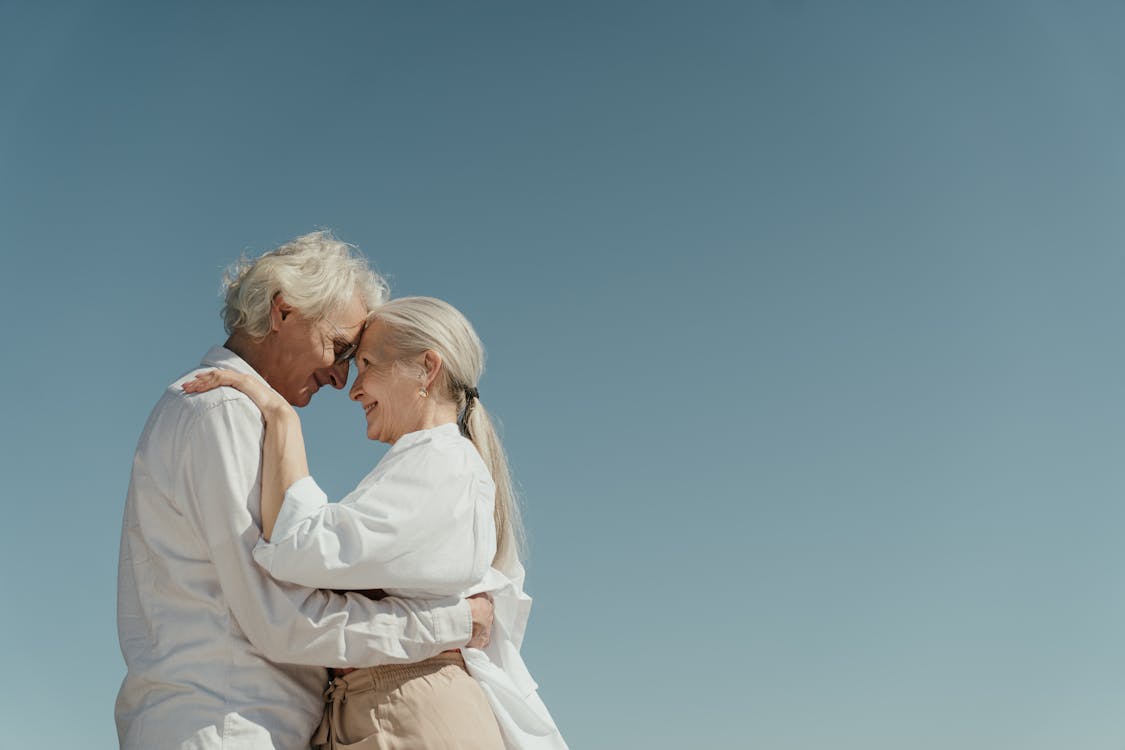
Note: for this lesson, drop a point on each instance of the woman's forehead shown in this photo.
(374, 339)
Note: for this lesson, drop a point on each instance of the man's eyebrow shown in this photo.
(339, 336)
(342, 344)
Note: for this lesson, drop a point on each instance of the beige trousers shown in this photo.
(431, 705)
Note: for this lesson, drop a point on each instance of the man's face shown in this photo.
(305, 352)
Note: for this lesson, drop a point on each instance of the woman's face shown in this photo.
(388, 393)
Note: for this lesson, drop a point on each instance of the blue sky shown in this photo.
(803, 323)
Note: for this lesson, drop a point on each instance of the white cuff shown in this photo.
(303, 499)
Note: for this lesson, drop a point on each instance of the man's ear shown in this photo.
(279, 311)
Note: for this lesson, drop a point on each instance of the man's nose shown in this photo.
(338, 375)
(356, 392)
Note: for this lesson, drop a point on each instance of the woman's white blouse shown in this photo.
(419, 525)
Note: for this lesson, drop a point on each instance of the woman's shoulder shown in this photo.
(441, 450)
(435, 465)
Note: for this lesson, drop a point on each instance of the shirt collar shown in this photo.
(225, 359)
(448, 430)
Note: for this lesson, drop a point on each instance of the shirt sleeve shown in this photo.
(424, 525)
(218, 486)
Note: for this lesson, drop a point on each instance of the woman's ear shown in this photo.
(431, 364)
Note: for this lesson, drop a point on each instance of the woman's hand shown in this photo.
(271, 403)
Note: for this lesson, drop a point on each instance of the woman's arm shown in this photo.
(426, 524)
(283, 462)
(283, 450)
(417, 524)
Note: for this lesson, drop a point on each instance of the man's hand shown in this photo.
(481, 605)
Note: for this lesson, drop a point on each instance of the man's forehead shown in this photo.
(351, 318)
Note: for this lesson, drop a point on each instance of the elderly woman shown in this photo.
(435, 517)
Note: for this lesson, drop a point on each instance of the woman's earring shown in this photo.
(422, 393)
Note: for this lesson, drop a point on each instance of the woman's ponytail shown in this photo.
(420, 323)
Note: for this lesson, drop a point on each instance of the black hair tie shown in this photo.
(463, 420)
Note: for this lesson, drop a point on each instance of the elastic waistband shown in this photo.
(388, 675)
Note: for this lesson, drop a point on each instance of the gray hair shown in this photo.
(416, 324)
(316, 273)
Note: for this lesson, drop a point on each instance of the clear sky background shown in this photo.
(804, 323)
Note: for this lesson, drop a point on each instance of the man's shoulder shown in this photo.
(227, 403)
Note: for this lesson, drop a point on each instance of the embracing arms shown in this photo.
(421, 522)
(217, 486)
(283, 449)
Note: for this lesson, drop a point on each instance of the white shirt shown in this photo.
(219, 654)
(420, 525)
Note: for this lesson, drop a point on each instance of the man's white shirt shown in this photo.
(219, 653)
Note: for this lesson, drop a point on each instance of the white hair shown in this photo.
(316, 273)
(415, 324)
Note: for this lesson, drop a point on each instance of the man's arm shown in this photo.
(217, 489)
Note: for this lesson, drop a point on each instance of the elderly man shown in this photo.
(219, 654)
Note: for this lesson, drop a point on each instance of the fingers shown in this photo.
(480, 639)
(206, 381)
(482, 612)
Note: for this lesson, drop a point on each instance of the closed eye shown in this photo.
(343, 350)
